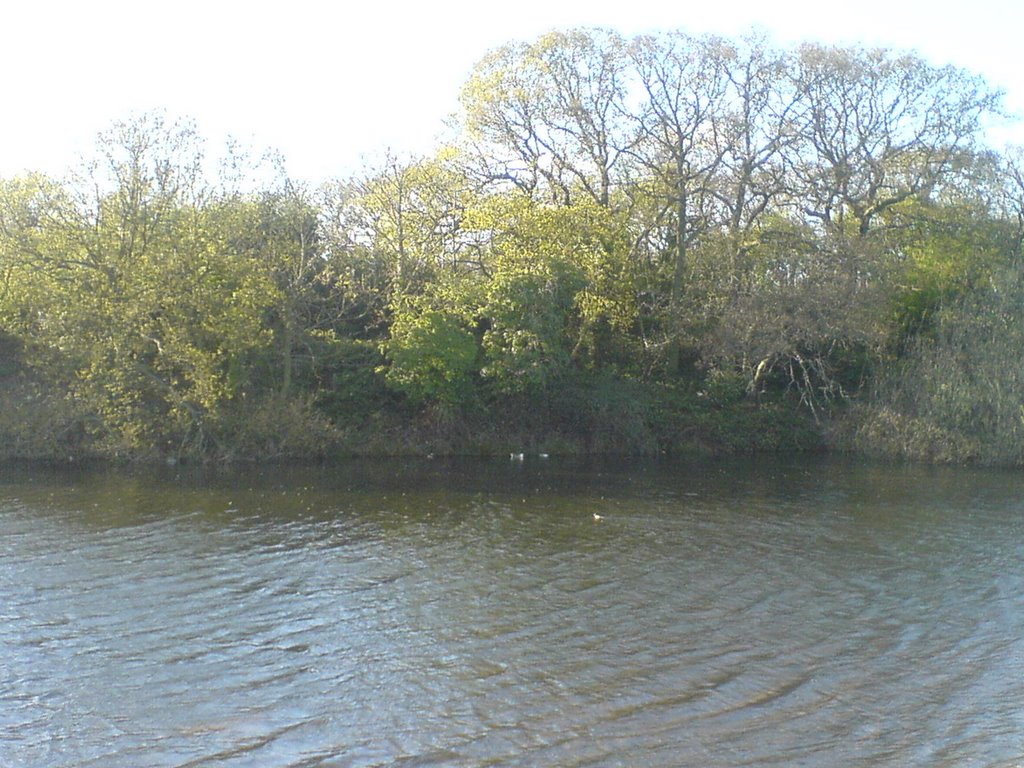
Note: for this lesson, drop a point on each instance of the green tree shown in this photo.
(133, 304)
(409, 215)
(433, 356)
(559, 292)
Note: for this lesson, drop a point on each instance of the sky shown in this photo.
(332, 86)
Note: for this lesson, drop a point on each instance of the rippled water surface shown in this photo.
(799, 612)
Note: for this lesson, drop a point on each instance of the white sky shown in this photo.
(330, 84)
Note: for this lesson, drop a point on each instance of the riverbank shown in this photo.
(687, 426)
(596, 417)
(614, 418)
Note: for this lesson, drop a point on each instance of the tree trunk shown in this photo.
(287, 344)
(678, 281)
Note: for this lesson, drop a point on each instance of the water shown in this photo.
(793, 612)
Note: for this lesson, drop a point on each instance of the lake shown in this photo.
(544, 612)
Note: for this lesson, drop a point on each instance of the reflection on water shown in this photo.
(421, 613)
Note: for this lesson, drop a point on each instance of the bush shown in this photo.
(276, 429)
(957, 395)
(432, 356)
(37, 423)
(882, 431)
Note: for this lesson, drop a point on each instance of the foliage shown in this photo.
(958, 394)
(432, 355)
(278, 429)
(529, 298)
(635, 244)
(946, 252)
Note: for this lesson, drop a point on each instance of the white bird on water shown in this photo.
(598, 518)
(516, 456)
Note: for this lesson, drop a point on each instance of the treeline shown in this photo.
(649, 244)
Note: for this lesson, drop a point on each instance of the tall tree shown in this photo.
(410, 214)
(551, 115)
(758, 125)
(877, 129)
(685, 82)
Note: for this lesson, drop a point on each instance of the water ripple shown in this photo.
(770, 621)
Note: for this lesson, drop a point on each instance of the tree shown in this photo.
(551, 115)
(808, 321)
(433, 355)
(276, 232)
(409, 215)
(757, 131)
(134, 305)
(877, 129)
(956, 395)
(685, 83)
(1011, 197)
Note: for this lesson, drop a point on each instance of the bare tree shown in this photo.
(878, 128)
(679, 146)
(553, 113)
(758, 127)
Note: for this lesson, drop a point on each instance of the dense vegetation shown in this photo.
(659, 243)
